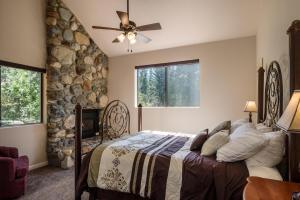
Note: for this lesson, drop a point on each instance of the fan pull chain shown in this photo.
(129, 49)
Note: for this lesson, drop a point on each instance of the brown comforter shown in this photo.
(201, 178)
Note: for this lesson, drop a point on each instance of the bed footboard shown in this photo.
(78, 133)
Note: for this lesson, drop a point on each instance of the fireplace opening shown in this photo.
(90, 123)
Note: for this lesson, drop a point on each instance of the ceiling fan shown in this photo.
(130, 30)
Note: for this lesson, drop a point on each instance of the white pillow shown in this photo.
(242, 147)
(214, 142)
(244, 128)
(262, 128)
(265, 172)
(272, 154)
(238, 123)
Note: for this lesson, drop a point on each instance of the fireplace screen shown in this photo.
(90, 122)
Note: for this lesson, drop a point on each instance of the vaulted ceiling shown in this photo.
(184, 22)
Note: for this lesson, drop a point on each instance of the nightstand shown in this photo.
(267, 189)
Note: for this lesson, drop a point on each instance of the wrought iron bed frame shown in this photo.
(269, 108)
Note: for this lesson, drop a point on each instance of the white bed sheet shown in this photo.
(265, 172)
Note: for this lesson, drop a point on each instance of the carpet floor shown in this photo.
(50, 183)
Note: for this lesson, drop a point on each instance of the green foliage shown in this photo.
(151, 86)
(180, 89)
(20, 96)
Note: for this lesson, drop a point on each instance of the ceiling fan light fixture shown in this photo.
(121, 37)
(131, 36)
(132, 41)
(130, 31)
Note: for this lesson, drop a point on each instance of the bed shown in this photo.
(159, 165)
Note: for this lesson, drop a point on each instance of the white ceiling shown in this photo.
(184, 22)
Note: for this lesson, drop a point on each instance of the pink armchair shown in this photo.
(13, 173)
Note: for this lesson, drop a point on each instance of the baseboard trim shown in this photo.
(38, 165)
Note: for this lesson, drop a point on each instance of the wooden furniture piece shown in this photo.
(78, 138)
(294, 139)
(267, 189)
(294, 157)
(294, 34)
(140, 117)
(260, 90)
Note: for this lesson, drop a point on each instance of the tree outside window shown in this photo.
(20, 101)
(169, 84)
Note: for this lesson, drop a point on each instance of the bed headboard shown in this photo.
(270, 101)
(270, 94)
(273, 94)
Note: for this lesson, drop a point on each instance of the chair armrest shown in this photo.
(22, 165)
(7, 169)
(11, 152)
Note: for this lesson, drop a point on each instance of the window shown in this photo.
(169, 84)
(20, 94)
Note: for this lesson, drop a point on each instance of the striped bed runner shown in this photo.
(148, 164)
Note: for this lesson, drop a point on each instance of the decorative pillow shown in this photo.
(262, 128)
(272, 154)
(214, 142)
(241, 130)
(222, 126)
(199, 140)
(242, 147)
(237, 124)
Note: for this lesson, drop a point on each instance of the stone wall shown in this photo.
(76, 73)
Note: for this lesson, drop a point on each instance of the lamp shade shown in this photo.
(250, 106)
(290, 120)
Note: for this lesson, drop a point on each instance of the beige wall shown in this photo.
(22, 40)
(227, 80)
(272, 41)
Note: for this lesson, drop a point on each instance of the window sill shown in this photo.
(195, 107)
(22, 125)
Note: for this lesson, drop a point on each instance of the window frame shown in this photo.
(165, 66)
(28, 68)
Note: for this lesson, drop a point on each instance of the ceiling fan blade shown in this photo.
(123, 17)
(116, 40)
(149, 27)
(106, 28)
(143, 38)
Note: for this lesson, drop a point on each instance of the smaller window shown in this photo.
(169, 84)
(20, 94)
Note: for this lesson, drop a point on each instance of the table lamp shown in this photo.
(290, 122)
(250, 107)
(290, 119)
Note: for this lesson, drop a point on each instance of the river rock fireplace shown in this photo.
(77, 72)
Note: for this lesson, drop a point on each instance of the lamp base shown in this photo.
(250, 117)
